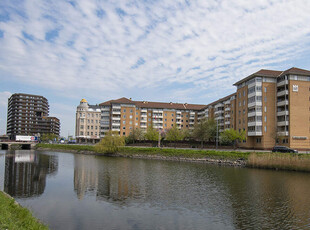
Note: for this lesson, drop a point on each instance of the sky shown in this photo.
(169, 51)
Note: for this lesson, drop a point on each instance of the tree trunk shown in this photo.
(202, 144)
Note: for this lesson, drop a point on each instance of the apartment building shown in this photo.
(87, 127)
(123, 115)
(28, 115)
(273, 108)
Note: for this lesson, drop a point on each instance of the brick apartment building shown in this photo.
(273, 107)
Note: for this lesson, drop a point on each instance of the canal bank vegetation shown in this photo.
(279, 161)
(283, 161)
(13, 216)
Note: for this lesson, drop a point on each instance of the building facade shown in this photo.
(28, 115)
(87, 127)
(272, 107)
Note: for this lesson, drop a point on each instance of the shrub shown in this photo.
(111, 143)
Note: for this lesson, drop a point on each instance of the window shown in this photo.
(265, 128)
(124, 110)
(243, 102)
(149, 119)
(124, 116)
(131, 111)
(166, 118)
(259, 140)
(244, 93)
(91, 127)
(265, 109)
(171, 119)
(265, 89)
(239, 103)
(124, 122)
(150, 114)
(136, 118)
(124, 133)
(165, 114)
(137, 113)
(265, 119)
(124, 127)
(265, 99)
(165, 125)
(130, 117)
(172, 114)
(244, 111)
(130, 122)
(91, 133)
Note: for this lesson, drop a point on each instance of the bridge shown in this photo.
(19, 145)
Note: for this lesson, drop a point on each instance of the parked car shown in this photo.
(283, 149)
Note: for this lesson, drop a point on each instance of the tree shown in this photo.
(110, 143)
(231, 135)
(175, 134)
(151, 134)
(204, 130)
(136, 134)
(48, 137)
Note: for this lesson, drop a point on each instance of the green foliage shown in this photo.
(204, 130)
(13, 216)
(231, 135)
(110, 143)
(151, 134)
(136, 134)
(48, 137)
(175, 134)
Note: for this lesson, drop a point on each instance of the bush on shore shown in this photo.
(110, 143)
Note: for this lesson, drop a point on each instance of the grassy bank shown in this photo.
(130, 151)
(13, 216)
(281, 161)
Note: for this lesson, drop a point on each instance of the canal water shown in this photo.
(71, 191)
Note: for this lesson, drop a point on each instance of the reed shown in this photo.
(281, 161)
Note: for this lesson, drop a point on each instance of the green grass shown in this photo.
(13, 216)
(129, 151)
(186, 153)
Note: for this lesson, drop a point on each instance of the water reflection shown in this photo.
(243, 198)
(26, 171)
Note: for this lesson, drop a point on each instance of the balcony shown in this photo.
(219, 105)
(281, 83)
(282, 93)
(219, 118)
(283, 133)
(255, 83)
(116, 124)
(143, 125)
(282, 103)
(255, 113)
(143, 114)
(254, 133)
(227, 123)
(116, 112)
(255, 123)
(218, 112)
(115, 129)
(116, 118)
(227, 109)
(143, 110)
(255, 103)
(283, 113)
(105, 109)
(283, 123)
(116, 107)
(255, 93)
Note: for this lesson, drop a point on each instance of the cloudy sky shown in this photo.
(172, 50)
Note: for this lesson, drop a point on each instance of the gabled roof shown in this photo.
(122, 100)
(260, 73)
(154, 105)
(296, 71)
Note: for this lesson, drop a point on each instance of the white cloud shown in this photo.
(214, 43)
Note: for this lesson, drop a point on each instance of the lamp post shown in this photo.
(217, 132)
